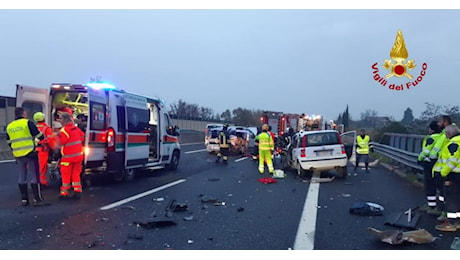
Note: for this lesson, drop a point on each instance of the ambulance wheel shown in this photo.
(118, 175)
(129, 174)
(174, 161)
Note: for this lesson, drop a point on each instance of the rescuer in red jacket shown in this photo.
(71, 142)
(43, 146)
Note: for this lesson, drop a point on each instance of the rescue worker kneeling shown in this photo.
(224, 145)
(70, 140)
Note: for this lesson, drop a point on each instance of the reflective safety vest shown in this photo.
(223, 139)
(363, 144)
(21, 140)
(449, 158)
(438, 145)
(71, 139)
(265, 142)
(427, 145)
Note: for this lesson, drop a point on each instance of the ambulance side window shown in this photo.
(97, 116)
(138, 119)
(121, 119)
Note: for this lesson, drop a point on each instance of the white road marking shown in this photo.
(305, 238)
(243, 158)
(140, 195)
(196, 151)
(5, 161)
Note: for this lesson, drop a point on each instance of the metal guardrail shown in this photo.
(403, 148)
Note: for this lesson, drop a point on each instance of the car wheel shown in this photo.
(301, 172)
(342, 171)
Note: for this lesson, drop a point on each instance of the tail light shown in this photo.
(343, 149)
(110, 140)
(302, 153)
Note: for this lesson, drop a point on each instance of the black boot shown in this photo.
(38, 199)
(24, 193)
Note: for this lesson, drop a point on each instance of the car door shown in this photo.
(349, 142)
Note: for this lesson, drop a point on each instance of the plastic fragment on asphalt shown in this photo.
(129, 207)
(190, 241)
(455, 244)
(158, 199)
(188, 218)
(267, 180)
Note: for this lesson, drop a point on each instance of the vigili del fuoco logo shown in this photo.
(400, 67)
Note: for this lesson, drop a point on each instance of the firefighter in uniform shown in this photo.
(448, 167)
(266, 147)
(427, 162)
(21, 135)
(70, 140)
(362, 149)
(43, 146)
(224, 145)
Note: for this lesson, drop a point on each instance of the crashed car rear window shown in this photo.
(320, 139)
(214, 133)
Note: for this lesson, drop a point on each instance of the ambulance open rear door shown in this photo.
(96, 136)
(33, 99)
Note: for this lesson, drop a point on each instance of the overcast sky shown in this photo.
(294, 60)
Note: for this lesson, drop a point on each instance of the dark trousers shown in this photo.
(439, 183)
(430, 184)
(452, 202)
(28, 164)
(365, 157)
(224, 152)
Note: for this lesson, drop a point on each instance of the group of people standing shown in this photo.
(31, 143)
(440, 156)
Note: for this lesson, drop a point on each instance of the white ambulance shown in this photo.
(124, 132)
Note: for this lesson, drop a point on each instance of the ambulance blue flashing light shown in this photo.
(101, 85)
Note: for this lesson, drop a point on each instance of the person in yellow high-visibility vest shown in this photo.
(427, 162)
(20, 136)
(362, 149)
(266, 147)
(448, 167)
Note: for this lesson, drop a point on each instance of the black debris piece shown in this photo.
(206, 199)
(176, 206)
(240, 209)
(366, 209)
(213, 179)
(134, 236)
(156, 224)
